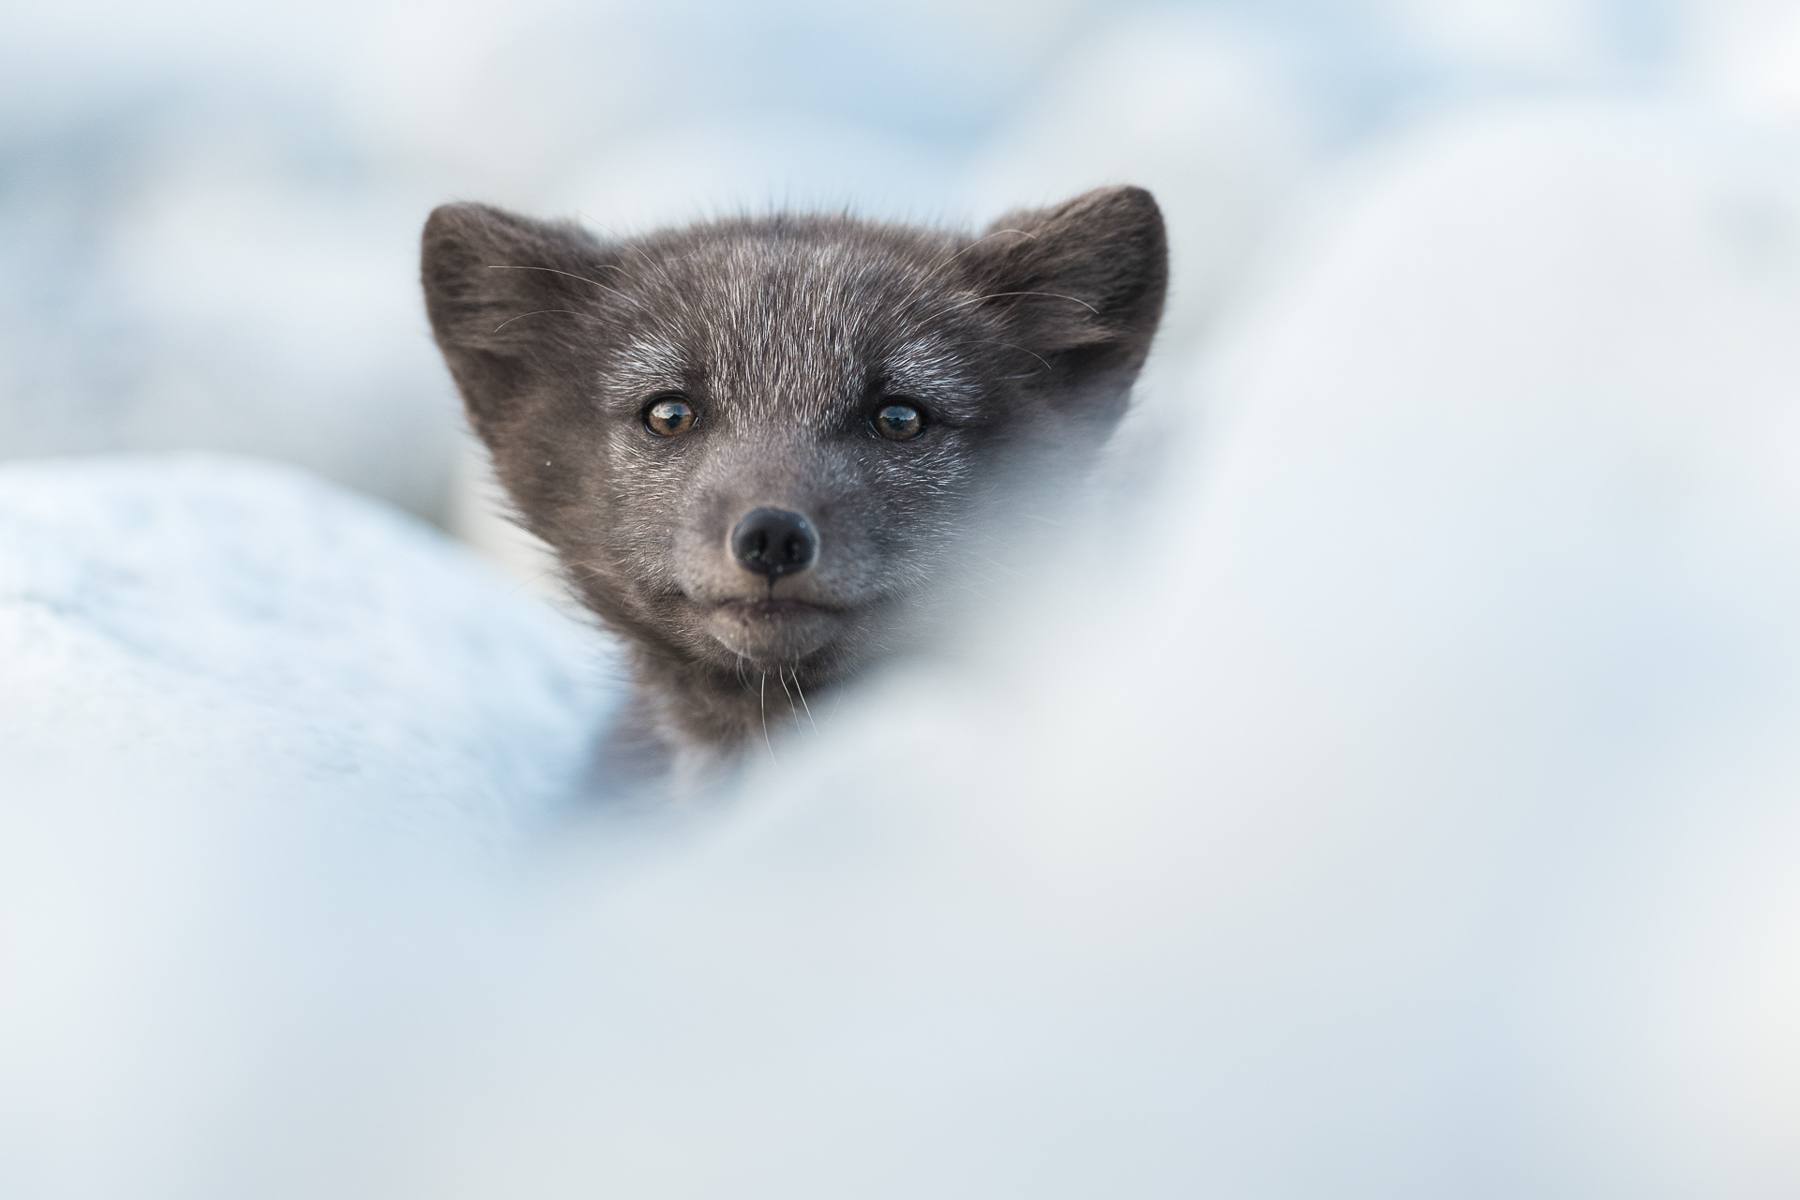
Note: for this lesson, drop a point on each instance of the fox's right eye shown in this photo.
(899, 421)
(669, 416)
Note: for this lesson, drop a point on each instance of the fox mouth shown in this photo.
(773, 630)
(770, 608)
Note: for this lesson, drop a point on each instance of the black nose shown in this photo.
(774, 542)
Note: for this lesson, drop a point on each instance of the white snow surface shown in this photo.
(259, 631)
(1405, 810)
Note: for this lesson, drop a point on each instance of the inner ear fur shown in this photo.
(509, 299)
(1081, 283)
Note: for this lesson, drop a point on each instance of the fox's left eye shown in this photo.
(669, 416)
(899, 421)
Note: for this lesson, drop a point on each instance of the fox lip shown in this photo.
(774, 607)
(773, 630)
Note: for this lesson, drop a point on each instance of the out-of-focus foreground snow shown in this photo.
(1409, 810)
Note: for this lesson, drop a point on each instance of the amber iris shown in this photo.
(899, 422)
(670, 416)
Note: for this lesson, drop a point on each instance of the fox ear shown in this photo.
(510, 300)
(1082, 285)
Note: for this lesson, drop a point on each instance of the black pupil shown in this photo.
(670, 416)
(899, 420)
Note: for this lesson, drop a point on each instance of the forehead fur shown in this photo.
(1047, 315)
(782, 311)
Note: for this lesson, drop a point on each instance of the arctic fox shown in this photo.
(756, 444)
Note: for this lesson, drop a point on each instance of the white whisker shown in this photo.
(762, 703)
(803, 703)
(535, 312)
(1003, 295)
(781, 674)
(567, 275)
(938, 267)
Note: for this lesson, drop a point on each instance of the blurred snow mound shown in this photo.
(1406, 810)
(268, 635)
(1202, 110)
(1397, 816)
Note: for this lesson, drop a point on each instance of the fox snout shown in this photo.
(773, 542)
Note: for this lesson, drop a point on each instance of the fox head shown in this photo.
(758, 442)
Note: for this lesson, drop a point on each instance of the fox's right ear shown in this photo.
(1081, 283)
(510, 299)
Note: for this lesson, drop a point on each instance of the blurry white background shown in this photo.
(1412, 815)
(208, 216)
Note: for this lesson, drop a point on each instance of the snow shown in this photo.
(258, 631)
(1407, 811)
(209, 217)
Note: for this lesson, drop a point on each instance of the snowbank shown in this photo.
(263, 633)
(1413, 817)
(1411, 821)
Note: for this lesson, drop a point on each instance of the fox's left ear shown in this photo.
(1081, 283)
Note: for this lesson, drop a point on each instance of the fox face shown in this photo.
(759, 443)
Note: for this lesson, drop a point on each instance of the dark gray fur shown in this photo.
(785, 333)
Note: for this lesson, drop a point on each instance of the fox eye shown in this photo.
(669, 416)
(899, 421)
